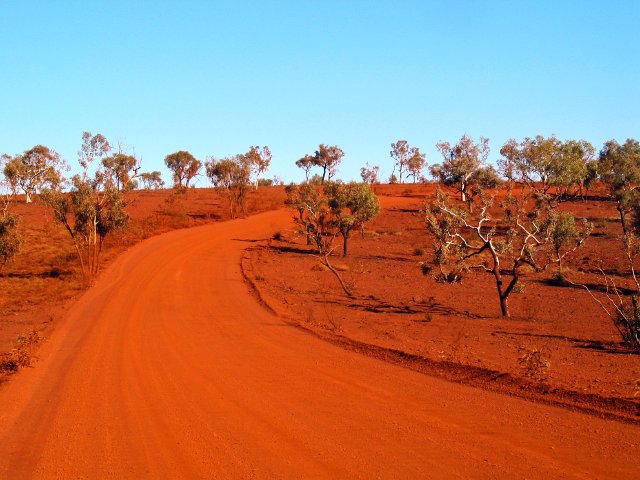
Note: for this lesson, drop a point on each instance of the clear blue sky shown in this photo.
(215, 78)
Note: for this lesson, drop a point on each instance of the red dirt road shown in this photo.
(169, 368)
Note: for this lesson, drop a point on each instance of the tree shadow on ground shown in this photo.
(594, 287)
(587, 344)
(54, 273)
(287, 249)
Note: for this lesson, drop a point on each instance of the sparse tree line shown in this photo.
(523, 229)
(91, 205)
(474, 229)
(555, 170)
(503, 221)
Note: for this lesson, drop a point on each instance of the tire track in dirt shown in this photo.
(169, 368)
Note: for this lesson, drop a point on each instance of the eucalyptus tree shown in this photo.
(370, 174)
(297, 200)
(416, 163)
(328, 157)
(184, 168)
(619, 168)
(353, 204)
(306, 163)
(498, 241)
(232, 175)
(259, 160)
(36, 168)
(152, 180)
(464, 167)
(94, 208)
(318, 221)
(90, 212)
(93, 147)
(400, 155)
(122, 169)
(551, 169)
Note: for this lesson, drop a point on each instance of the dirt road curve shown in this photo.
(169, 368)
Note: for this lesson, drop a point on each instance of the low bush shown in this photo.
(534, 362)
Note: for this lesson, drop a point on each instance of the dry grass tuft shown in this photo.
(22, 355)
(534, 362)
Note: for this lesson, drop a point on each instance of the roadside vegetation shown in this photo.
(497, 229)
(57, 229)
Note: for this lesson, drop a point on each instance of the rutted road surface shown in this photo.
(169, 368)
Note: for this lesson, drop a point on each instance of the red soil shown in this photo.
(443, 326)
(43, 280)
(172, 366)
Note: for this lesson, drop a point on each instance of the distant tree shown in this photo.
(122, 169)
(265, 182)
(184, 168)
(463, 167)
(564, 233)
(233, 176)
(93, 146)
(553, 170)
(509, 163)
(36, 168)
(259, 159)
(533, 162)
(306, 163)
(152, 180)
(370, 174)
(591, 177)
(353, 204)
(316, 180)
(328, 158)
(485, 178)
(416, 163)
(577, 160)
(619, 167)
(400, 154)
